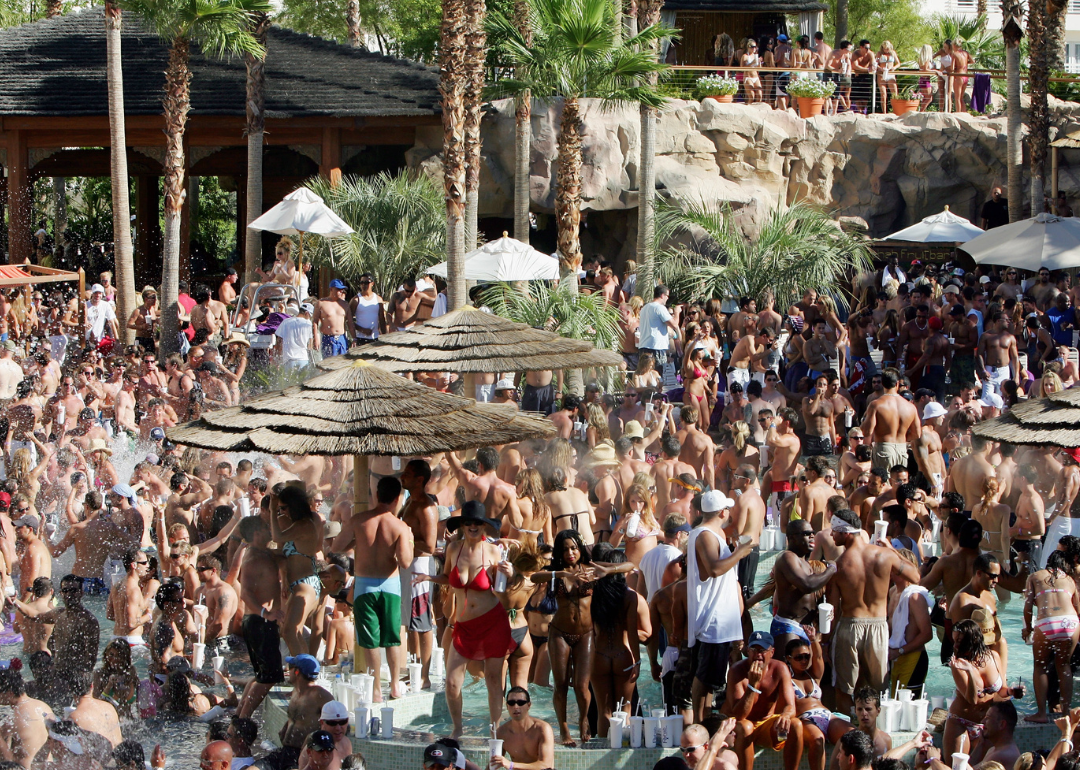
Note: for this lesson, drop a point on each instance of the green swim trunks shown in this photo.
(377, 612)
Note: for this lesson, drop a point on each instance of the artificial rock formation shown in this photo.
(885, 172)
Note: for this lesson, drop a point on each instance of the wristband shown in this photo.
(753, 688)
(262, 612)
(1067, 742)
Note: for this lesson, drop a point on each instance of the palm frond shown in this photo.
(560, 309)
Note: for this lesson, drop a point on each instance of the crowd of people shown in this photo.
(858, 71)
(562, 566)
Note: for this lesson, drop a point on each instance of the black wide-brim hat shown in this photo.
(472, 511)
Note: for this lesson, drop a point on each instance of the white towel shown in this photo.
(900, 614)
(671, 657)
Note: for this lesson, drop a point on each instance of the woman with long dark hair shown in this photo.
(301, 534)
(519, 588)
(976, 670)
(117, 681)
(621, 624)
(1051, 595)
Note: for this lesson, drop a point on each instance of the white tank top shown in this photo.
(367, 315)
(713, 603)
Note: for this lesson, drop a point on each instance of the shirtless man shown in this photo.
(798, 585)
(814, 496)
(75, 630)
(143, 319)
(890, 422)
(1027, 532)
(306, 702)
(93, 715)
(125, 404)
(24, 417)
(180, 383)
(784, 449)
(261, 595)
(528, 740)
(563, 419)
(996, 357)
(747, 518)
(928, 448)
(35, 561)
(330, 317)
(668, 467)
(498, 497)
(23, 735)
(817, 413)
(209, 317)
(953, 570)
(128, 608)
(538, 393)
(173, 629)
(405, 305)
(862, 499)
(860, 591)
(36, 635)
(631, 409)
(737, 324)
(698, 450)
(910, 343)
(968, 474)
(221, 604)
(819, 351)
(977, 595)
(226, 294)
(421, 516)
(94, 538)
(747, 350)
(382, 545)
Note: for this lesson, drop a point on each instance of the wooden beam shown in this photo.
(19, 231)
(330, 168)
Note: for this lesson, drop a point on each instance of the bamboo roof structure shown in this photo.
(361, 410)
(470, 340)
(1053, 420)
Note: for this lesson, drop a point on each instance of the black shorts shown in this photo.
(747, 571)
(861, 87)
(263, 646)
(817, 446)
(711, 662)
(284, 758)
(540, 399)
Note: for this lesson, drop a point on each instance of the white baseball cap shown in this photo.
(933, 410)
(991, 399)
(715, 500)
(334, 710)
(97, 288)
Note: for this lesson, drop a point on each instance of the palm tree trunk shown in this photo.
(841, 22)
(1055, 35)
(177, 102)
(60, 210)
(124, 267)
(53, 8)
(632, 19)
(650, 14)
(475, 53)
(256, 123)
(353, 21)
(522, 137)
(451, 82)
(1012, 31)
(1039, 119)
(980, 8)
(568, 191)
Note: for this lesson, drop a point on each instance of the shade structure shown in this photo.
(470, 340)
(1043, 241)
(302, 211)
(505, 259)
(1053, 420)
(362, 410)
(944, 227)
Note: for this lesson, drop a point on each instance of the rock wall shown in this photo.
(885, 171)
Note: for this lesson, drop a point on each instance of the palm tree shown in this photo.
(452, 36)
(799, 247)
(558, 309)
(650, 15)
(219, 26)
(399, 221)
(1039, 119)
(980, 9)
(576, 53)
(475, 54)
(124, 263)
(1055, 34)
(1012, 31)
(256, 125)
(522, 136)
(53, 8)
(841, 22)
(352, 20)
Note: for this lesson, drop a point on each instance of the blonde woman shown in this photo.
(925, 89)
(532, 518)
(751, 78)
(642, 538)
(646, 376)
(629, 320)
(994, 517)
(284, 269)
(887, 63)
(739, 453)
(596, 425)
(28, 475)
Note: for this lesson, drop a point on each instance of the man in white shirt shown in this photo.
(655, 321)
(100, 317)
(295, 337)
(656, 560)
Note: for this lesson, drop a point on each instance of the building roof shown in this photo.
(56, 67)
(745, 6)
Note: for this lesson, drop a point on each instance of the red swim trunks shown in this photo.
(487, 636)
(782, 486)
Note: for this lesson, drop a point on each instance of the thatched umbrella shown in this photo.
(360, 410)
(1052, 420)
(469, 341)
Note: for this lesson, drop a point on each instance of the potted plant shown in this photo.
(717, 87)
(907, 101)
(811, 94)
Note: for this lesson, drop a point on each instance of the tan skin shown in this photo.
(807, 664)
(617, 655)
(749, 708)
(307, 534)
(638, 546)
(974, 694)
(1050, 593)
(518, 590)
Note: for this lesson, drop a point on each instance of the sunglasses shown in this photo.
(143, 563)
(692, 749)
(335, 722)
(21, 510)
(517, 703)
(801, 658)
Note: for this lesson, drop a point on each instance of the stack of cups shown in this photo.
(615, 732)
(915, 714)
(362, 719)
(388, 722)
(367, 688)
(652, 727)
(415, 677)
(904, 695)
(198, 655)
(438, 662)
(495, 745)
(637, 726)
(891, 710)
(673, 727)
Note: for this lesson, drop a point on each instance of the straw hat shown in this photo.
(603, 454)
(100, 445)
(633, 429)
(988, 624)
(238, 337)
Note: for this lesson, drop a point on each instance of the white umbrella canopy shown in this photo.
(1044, 241)
(505, 259)
(302, 211)
(944, 227)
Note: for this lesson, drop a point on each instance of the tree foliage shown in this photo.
(558, 309)
(899, 21)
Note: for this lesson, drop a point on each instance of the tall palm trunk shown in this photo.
(353, 21)
(631, 19)
(124, 266)
(522, 137)
(1039, 120)
(1012, 31)
(475, 52)
(54, 8)
(980, 8)
(177, 103)
(1055, 34)
(841, 22)
(451, 87)
(650, 14)
(256, 124)
(568, 191)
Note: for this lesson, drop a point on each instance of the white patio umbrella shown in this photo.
(1045, 241)
(505, 259)
(302, 211)
(944, 227)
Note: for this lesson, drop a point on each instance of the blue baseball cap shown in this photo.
(782, 38)
(157, 434)
(308, 665)
(337, 283)
(761, 639)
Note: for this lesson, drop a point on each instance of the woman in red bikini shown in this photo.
(698, 383)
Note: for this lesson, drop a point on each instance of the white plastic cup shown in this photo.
(367, 682)
(355, 680)
(937, 701)
(825, 616)
(438, 662)
(218, 662)
(387, 722)
(673, 727)
(659, 713)
(198, 655)
(621, 717)
(894, 715)
(632, 524)
(905, 695)
(915, 714)
(415, 677)
(245, 507)
(495, 746)
(651, 725)
(779, 541)
(880, 528)
(362, 721)
(637, 728)
(959, 761)
(615, 731)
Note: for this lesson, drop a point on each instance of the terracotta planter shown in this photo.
(901, 106)
(726, 98)
(809, 107)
